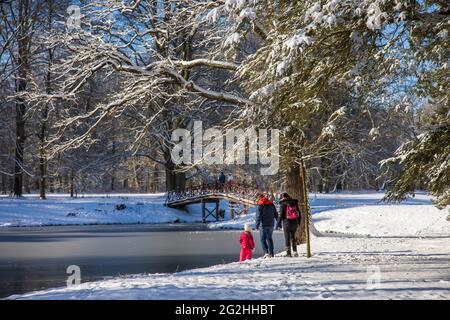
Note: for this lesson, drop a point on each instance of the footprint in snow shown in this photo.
(326, 295)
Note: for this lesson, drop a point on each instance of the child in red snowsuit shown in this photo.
(247, 243)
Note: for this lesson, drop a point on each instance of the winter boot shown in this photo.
(288, 252)
(295, 254)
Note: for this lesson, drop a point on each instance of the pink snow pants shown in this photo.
(246, 254)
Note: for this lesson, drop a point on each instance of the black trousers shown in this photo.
(289, 228)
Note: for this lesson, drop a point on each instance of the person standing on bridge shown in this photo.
(222, 178)
(290, 219)
(266, 216)
(230, 182)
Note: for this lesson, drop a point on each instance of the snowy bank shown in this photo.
(90, 209)
(362, 213)
(359, 213)
(341, 268)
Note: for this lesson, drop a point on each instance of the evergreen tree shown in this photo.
(425, 160)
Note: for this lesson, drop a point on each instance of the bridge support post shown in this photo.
(231, 205)
(203, 211)
(217, 210)
(210, 212)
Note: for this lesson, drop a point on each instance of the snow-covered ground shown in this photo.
(341, 268)
(408, 251)
(362, 213)
(60, 209)
(357, 213)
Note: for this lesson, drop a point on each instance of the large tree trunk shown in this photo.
(72, 178)
(26, 184)
(20, 141)
(11, 185)
(155, 181)
(42, 157)
(43, 131)
(113, 182)
(113, 152)
(294, 187)
(42, 171)
(21, 85)
(4, 187)
(135, 181)
(175, 178)
(293, 184)
(175, 181)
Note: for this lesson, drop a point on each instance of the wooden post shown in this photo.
(217, 210)
(306, 208)
(231, 209)
(203, 212)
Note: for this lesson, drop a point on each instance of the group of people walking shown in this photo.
(227, 180)
(223, 179)
(267, 218)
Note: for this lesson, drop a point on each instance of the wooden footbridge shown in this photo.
(240, 198)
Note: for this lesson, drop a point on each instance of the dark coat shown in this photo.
(266, 214)
(282, 217)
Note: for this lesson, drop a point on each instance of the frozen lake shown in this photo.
(36, 258)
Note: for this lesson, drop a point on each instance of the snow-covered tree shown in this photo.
(166, 73)
(425, 160)
(343, 80)
(372, 51)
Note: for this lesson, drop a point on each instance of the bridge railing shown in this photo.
(237, 190)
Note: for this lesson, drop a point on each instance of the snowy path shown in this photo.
(340, 269)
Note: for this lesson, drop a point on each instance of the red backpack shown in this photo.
(291, 211)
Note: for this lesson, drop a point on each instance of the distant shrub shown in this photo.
(120, 206)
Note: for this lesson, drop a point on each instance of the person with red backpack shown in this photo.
(290, 219)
